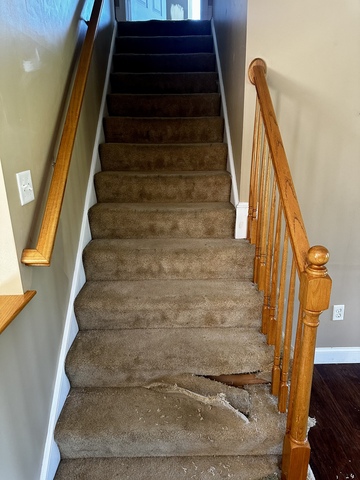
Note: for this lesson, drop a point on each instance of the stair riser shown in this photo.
(164, 82)
(189, 44)
(134, 188)
(128, 358)
(192, 62)
(163, 157)
(170, 130)
(113, 260)
(164, 105)
(168, 28)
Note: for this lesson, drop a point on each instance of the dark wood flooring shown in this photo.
(335, 440)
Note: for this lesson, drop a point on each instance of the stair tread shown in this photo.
(176, 207)
(134, 356)
(164, 105)
(170, 82)
(164, 62)
(134, 422)
(145, 259)
(163, 186)
(164, 44)
(183, 157)
(155, 468)
(162, 220)
(164, 129)
(165, 27)
(166, 174)
(166, 304)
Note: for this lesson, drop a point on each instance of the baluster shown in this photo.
(277, 351)
(314, 296)
(265, 224)
(260, 217)
(274, 278)
(269, 255)
(254, 176)
(283, 393)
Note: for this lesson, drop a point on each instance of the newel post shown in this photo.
(314, 296)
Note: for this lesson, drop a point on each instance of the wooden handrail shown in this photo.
(297, 232)
(11, 306)
(275, 223)
(41, 255)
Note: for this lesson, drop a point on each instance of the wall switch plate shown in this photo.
(25, 187)
(338, 312)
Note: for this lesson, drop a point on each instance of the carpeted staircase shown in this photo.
(168, 299)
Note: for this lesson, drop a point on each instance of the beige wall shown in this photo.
(230, 26)
(38, 46)
(312, 51)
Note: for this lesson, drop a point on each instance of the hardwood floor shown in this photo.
(335, 440)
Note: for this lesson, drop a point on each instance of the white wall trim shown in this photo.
(242, 209)
(51, 457)
(231, 164)
(337, 355)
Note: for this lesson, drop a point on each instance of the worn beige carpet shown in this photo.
(168, 298)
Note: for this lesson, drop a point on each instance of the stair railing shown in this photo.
(41, 255)
(288, 272)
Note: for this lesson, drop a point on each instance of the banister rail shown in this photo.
(11, 306)
(284, 267)
(41, 254)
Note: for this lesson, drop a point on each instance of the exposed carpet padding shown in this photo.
(168, 300)
(186, 157)
(162, 220)
(175, 468)
(132, 357)
(164, 304)
(162, 187)
(143, 422)
(172, 259)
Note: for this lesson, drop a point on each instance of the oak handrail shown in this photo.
(257, 72)
(11, 306)
(275, 222)
(41, 254)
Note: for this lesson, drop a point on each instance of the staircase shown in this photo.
(168, 300)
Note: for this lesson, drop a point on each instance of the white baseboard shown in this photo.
(51, 457)
(337, 355)
(242, 209)
(231, 163)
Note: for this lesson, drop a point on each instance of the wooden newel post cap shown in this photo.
(318, 256)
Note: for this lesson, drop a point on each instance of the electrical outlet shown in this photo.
(25, 187)
(338, 312)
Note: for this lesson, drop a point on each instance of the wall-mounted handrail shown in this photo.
(275, 223)
(11, 306)
(41, 254)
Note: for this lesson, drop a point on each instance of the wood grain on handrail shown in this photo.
(41, 255)
(297, 232)
(11, 306)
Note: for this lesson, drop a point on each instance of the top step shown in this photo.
(165, 27)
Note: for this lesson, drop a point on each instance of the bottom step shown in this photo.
(166, 468)
(165, 420)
